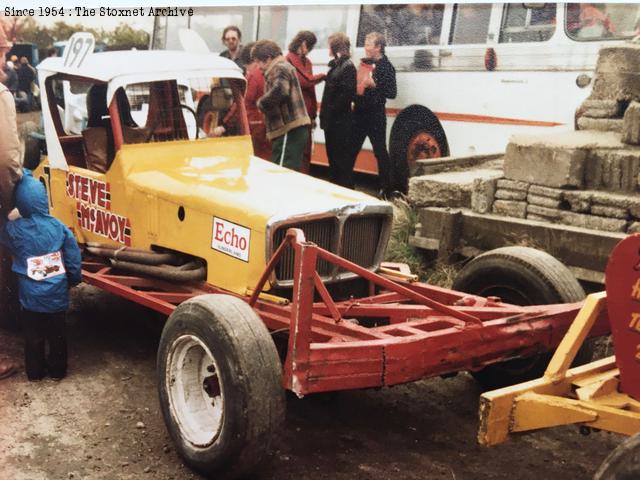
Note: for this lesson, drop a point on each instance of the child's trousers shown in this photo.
(42, 330)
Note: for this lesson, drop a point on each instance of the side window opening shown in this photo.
(470, 23)
(522, 24)
(402, 24)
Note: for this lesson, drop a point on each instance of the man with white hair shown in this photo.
(10, 174)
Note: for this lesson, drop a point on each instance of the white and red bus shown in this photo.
(469, 75)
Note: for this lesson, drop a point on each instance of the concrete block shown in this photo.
(447, 189)
(601, 108)
(543, 201)
(483, 195)
(513, 185)
(611, 174)
(503, 194)
(630, 170)
(541, 191)
(593, 167)
(545, 165)
(616, 73)
(631, 124)
(548, 213)
(611, 212)
(618, 200)
(510, 208)
(579, 201)
(600, 124)
(612, 169)
(593, 222)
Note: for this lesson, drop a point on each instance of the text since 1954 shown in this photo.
(101, 12)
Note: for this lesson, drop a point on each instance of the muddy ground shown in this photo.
(87, 425)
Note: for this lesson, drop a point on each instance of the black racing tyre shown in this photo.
(521, 276)
(623, 463)
(416, 135)
(220, 385)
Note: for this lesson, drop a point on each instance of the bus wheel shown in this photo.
(520, 276)
(220, 385)
(416, 135)
(623, 462)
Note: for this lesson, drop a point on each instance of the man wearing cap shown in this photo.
(10, 174)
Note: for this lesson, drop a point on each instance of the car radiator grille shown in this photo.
(321, 232)
(360, 242)
(360, 239)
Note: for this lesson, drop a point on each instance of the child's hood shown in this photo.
(31, 196)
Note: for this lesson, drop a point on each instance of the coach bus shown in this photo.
(469, 75)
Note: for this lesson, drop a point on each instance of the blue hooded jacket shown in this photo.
(36, 241)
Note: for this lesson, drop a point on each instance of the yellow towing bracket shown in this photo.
(587, 394)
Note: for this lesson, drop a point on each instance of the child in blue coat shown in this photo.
(47, 260)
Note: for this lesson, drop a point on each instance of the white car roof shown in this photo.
(107, 66)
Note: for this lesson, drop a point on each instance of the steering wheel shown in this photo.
(195, 117)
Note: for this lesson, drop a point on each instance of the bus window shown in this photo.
(209, 22)
(415, 24)
(470, 23)
(602, 21)
(321, 20)
(521, 24)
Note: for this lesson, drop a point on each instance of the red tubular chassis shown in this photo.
(423, 330)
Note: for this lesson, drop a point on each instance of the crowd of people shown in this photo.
(20, 80)
(282, 107)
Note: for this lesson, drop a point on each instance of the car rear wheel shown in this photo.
(220, 385)
(521, 276)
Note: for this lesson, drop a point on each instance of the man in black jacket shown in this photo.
(376, 83)
(336, 118)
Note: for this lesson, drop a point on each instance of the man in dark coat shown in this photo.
(376, 83)
(336, 117)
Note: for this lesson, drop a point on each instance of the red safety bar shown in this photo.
(420, 330)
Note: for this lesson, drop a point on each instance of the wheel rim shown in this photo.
(195, 392)
(423, 146)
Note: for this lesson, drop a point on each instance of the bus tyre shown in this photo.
(623, 463)
(416, 135)
(220, 385)
(521, 276)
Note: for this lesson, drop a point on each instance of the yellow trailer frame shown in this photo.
(586, 395)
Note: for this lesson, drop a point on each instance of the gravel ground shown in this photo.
(103, 420)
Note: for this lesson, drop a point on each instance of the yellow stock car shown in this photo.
(136, 169)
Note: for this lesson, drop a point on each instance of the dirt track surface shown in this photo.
(87, 425)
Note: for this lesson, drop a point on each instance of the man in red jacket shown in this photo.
(299, 48)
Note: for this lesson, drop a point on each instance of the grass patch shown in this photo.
(399, 250)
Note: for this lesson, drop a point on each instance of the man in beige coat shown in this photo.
(10, 174)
